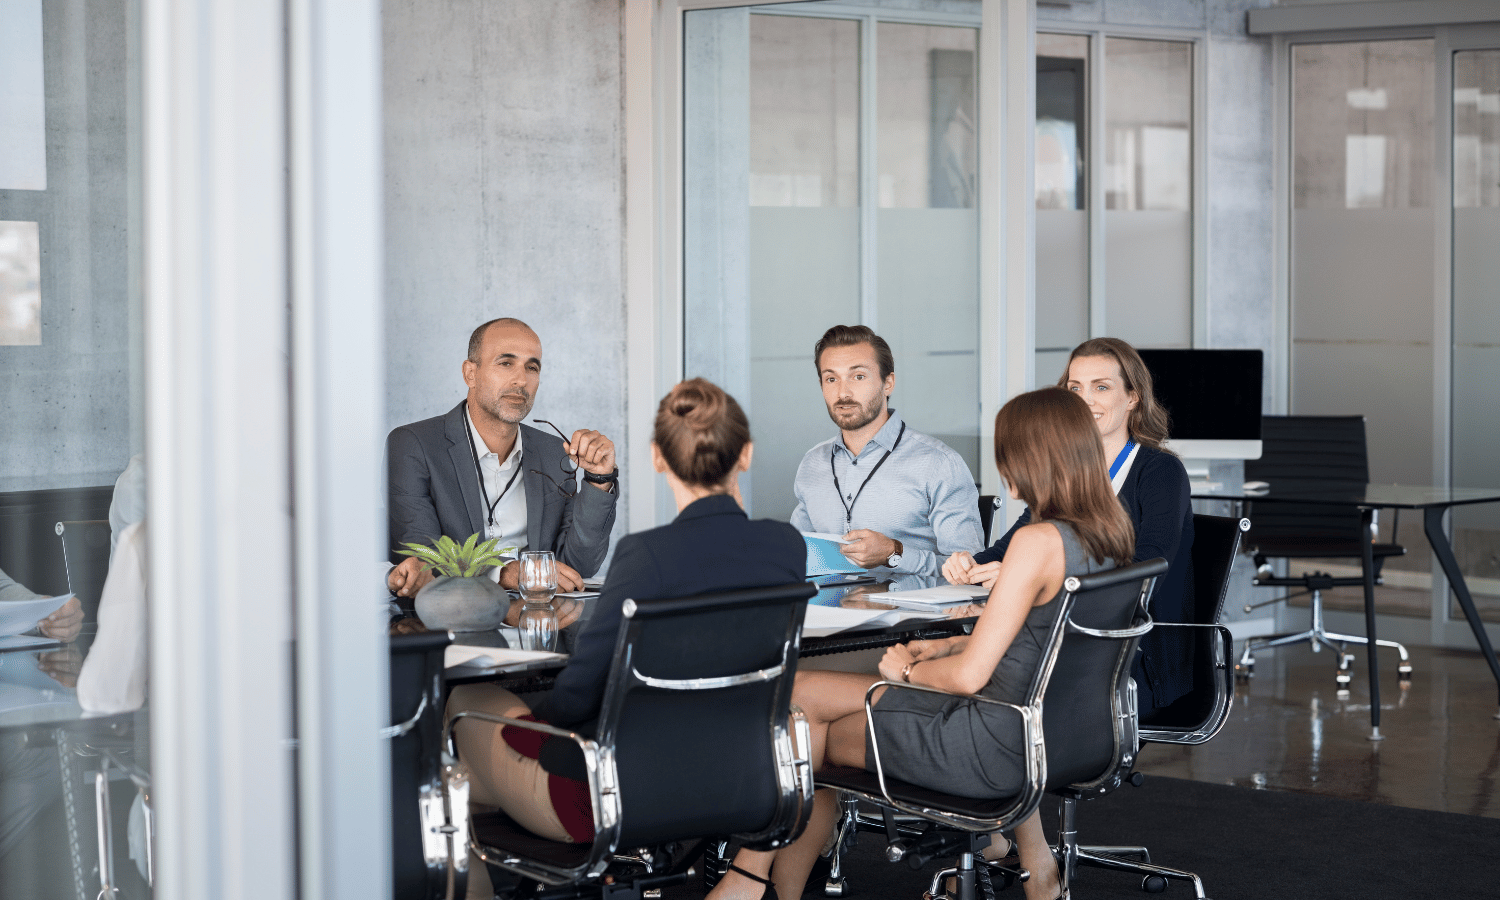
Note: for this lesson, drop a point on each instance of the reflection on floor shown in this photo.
(1289, 730)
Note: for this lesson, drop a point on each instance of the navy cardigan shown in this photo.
(1157, 497)
(711, 546)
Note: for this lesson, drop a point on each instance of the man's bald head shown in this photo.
(476, 339)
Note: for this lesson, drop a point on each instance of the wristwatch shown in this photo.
(906, 672)
(895, 559)
(611, 478)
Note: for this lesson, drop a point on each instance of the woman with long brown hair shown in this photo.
(1050, 454)
(1152, 486)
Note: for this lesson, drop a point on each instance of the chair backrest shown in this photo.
(416, 736)
(1314, 452)
(1086, 714)
(86, 556)
(695, 705)
(1216, 543)
(986, 515)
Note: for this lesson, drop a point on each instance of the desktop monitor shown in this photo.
(1213, 398)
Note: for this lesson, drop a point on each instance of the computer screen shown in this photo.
(1213, 398)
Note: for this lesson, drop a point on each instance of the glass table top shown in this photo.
(1386, 496)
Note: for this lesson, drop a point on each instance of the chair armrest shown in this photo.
(1030, 722)
(1112, 633)
(1223, 693)
(603, 782)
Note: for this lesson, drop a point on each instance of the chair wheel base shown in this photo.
(836, 887)
(1403, 672)
(1153, 884)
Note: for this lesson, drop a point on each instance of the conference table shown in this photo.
(893, 625)
(1434, 503)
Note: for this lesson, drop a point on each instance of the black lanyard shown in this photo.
(469, 433)
(849, 505)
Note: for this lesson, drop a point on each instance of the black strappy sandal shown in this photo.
(770, 891)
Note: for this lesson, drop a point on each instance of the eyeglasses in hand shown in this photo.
(569, 484)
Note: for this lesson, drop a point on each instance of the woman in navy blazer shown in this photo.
(701, 443)
(1153, 487)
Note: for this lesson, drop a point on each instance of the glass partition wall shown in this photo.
(1114, 217)
(830, 177)
(71, 387)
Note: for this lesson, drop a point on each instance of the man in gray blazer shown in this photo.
(462, 473)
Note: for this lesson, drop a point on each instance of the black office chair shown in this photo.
(85, 546)
(987, 506)
(1084, 679)
(420, 850)
(1200, 713)
(693, 742)
(1315, 453)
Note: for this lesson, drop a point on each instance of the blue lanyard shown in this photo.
(1120, 460)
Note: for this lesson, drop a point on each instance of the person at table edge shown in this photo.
(480, 469)
(903, 500)
(1152, 485)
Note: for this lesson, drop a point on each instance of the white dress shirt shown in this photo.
(510, 512)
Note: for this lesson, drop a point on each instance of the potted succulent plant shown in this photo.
(462, 597)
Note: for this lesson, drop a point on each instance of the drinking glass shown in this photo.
(538, 583)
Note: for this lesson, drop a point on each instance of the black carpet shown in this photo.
(1247, 843)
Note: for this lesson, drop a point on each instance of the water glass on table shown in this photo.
(538, 584)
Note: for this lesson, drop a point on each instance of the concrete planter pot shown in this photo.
(462, 604)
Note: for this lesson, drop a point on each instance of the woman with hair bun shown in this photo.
(1152, 486)
(701, 443)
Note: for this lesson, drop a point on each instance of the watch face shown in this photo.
(894, 561)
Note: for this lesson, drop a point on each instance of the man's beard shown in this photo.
(506, 413)
(864, 414)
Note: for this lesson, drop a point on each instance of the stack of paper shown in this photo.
(939, 597)
(822, 621)
(493, 657)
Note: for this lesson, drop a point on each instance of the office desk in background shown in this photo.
(1434, 502)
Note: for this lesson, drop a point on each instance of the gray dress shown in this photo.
(956, 744)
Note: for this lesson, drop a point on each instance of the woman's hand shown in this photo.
(934, 649)
(895, 661)
(64, 624)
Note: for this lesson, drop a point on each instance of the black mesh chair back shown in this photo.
(1087, 696)
(1315, 453)
(416, 734)
(1216, 543)
(701, 686)
(86, 557)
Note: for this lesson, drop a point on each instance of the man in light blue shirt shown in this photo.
(903, 500)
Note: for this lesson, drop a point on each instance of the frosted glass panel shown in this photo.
(1148, 261)
(925, 138)
(929, 312)
(1476, 316)
(804, 112)
(1062, 278)
(1362, 261)
(1362, 115)
(1050, 365)
(23, 107)
(804, 278)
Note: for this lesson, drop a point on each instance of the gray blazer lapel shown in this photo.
(454, 427)
(535, 485)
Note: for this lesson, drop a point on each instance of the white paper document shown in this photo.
(821, 621)
(22, 615)
(943, 595)
(825, 536)
(493, 657)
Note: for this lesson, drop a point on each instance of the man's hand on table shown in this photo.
(408, 625)
(64, 624)
(960, 568)
(867, 549)
(568, 579)
(408, 577)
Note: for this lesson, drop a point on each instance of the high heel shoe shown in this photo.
(770, 891)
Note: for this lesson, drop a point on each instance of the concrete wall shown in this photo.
(67, 403)
(503, 156)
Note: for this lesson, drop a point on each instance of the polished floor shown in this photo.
(1291, 730)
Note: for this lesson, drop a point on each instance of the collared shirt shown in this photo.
(510, 512)
(923, 496)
